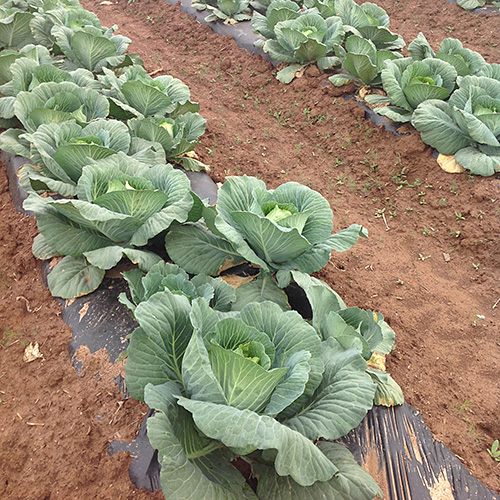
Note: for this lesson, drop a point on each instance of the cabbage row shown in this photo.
(101, 136)
(357, 38)
(238, 379)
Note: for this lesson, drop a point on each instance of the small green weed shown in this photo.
(8, 337)
(494, 451)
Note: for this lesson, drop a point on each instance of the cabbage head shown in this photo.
(259, 384)
(56, 102)
(467, 125)
(409, 83)
(277, 230)
(121, 205)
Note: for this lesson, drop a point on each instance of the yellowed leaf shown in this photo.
(377, 361)
(449, 165)
(191, 154)
(32, 352)
(236, 281)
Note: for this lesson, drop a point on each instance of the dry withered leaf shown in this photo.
(236, 281)
(32, 352)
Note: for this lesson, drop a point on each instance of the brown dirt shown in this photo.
(448, 341)
(55, 426)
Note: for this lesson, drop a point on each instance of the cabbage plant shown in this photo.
(465, 61)
(467, 125)
(178, 136)
(92, 48)
(53, 102)
(59, 151)
(258, 384)
(228, 11)
(298, 37)
(136, 94)
(277, 230)
(408, 83)
(367, 20)
(28, 75)
(363, 62)
(121, 205)
(19, 70)
(72, 19)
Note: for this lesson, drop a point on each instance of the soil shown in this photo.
(430, 266)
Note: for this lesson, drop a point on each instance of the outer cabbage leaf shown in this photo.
(15, 29)
(186, 243)
(297, 456)
(351, 482)
(342, 399)
(73, 277)
(435, 122)
(157, 347)
(192, 465)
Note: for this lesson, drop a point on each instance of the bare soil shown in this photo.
(431, 263)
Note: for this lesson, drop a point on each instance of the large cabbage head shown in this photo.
(467, 125)
(278, 230)
(257, 382)
(54, 102)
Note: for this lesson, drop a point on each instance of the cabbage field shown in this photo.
(351, 259)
